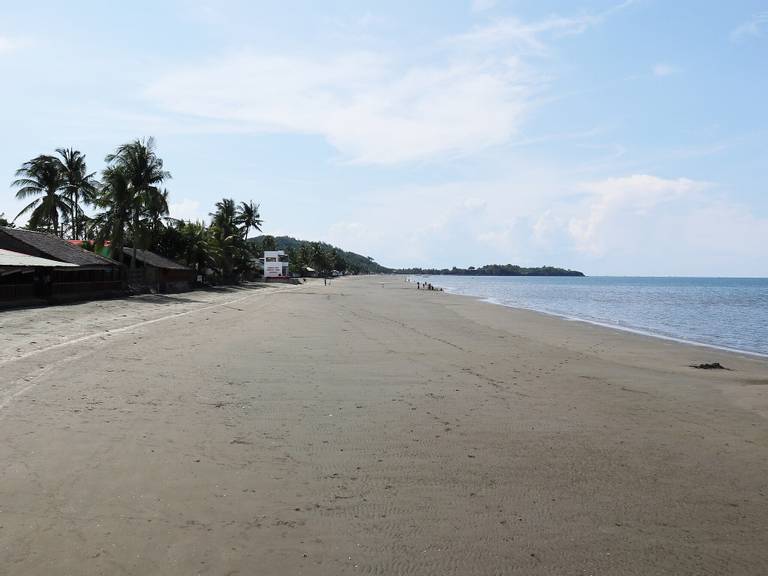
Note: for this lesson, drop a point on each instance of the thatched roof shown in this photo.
(51, 247)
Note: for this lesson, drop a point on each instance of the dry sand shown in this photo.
(369, 428)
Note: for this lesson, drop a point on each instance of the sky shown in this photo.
(613, 137)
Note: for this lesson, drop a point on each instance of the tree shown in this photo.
(77, 184)
(248, 217)
(234, 254)
(338, 261)
(225, 216)
(116, 200)
(4, 222)
(147, 204)
(42, 177)
(322, 259)
(268, 243)
(199, 253)
(188, 242)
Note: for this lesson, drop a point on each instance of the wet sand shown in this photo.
(369, 428)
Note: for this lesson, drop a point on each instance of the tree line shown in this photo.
(323, 258)
(127, 206)
(493, 270)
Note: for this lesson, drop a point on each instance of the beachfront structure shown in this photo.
(157, 273)
(69, 273)
(275, 264)
(22, 277)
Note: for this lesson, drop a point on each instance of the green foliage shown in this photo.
(131, 209)
(4, 222)
(190, 243)
(78, 185)
(61, 184)
(248, 217)
(227, 233)
(493, 270)
(42, 179)
(322, 257)
(142, 204)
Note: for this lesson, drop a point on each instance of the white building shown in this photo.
(275, 264)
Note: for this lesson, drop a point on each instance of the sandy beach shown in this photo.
(366, 427)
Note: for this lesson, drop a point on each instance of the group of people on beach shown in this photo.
(427, 286)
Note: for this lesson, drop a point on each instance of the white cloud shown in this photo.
(532, 37)
(376, 109)
(636, 224)
(458, 223)
(9, 45)
(661, 70)
(528, 37)
(483, 5)
(635, 194)
(752, 28)
(364, 105)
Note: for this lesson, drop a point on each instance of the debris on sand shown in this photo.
(710, 366)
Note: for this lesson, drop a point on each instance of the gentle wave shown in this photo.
(725, 313)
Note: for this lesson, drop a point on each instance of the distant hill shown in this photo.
(356, 263)
(493, 270)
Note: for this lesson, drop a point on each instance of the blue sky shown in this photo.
(612, 137)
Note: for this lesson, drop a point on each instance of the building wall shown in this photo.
(44, 284)
(174, 280)
(17, 286)
(273, 266)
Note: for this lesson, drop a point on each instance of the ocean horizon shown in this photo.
(726, 313)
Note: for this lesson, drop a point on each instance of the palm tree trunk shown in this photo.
(74, 209)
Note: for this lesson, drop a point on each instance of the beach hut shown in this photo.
(76, 275)
(23, 277)
(156, 272)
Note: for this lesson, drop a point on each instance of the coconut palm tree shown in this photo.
(155, 213)
(248, 217)
(199, 253)
(143, 169)
(78, 184)
(224, 234)
(225, 217)
(116, 201)
(42, 177)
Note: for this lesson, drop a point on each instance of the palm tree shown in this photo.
(78, 184)
(248, 217)
(155, 212)
(199, 253)
(225, 216)
(224, 234)
(143, 169)
(116, 200)
(42, 177)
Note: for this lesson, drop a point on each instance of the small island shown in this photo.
(493, 270)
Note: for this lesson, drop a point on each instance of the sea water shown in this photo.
(730, 313)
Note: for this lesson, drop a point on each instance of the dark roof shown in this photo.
(153, 259)
(56, 248)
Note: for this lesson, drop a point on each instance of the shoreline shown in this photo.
(621, 328)
(629, 329)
